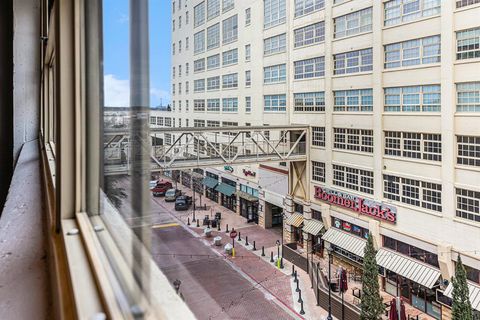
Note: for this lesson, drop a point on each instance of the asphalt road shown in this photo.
(210, 285)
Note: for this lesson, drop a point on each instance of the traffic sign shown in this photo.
(233, 234)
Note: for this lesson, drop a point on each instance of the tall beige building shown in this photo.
(391, 90)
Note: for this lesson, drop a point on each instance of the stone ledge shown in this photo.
(24, 284)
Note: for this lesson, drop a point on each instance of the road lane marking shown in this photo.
(166, 225)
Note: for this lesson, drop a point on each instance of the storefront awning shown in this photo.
(474, 294)
(246, 196)
(225, 189)
(345, 241)
(296, 220)
(312, 226)
(408, 267)
(209, 182)
(197, 175)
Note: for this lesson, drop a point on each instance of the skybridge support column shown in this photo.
(288, 210)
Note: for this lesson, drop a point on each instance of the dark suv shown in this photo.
(183, 203)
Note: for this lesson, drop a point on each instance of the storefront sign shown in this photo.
(228, 168)
(363, 206)
(249, 173)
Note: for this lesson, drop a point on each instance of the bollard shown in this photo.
(300, 296)
(208, 224)
(281, 263)
(198, 223)
(298, 288)
(246, 240)
(239, 237)
(254, 248)
(296, 279)
(188, 221)
(271, 256)
(263, 251)
(302, 312)
(293, 270)
(226, 231)
(218, 226)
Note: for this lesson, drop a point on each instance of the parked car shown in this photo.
(153, 183)
(161, 187)
(172, 194)
(183, 203)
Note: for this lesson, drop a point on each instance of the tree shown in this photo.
(461, 307)
(372, 305)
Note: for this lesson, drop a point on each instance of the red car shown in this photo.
(161, 187)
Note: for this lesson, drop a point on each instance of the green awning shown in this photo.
(246, 196)
(226, 189)
(209, 182)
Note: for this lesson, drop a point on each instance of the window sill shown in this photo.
(467, 114)
(410, 22)
(413, 160)
(352, 35)
(468, 168)
(466, 61)
(339, 113)
(416, 114)
(361, 153)
(310, 45)
(307, 14)
(364, 73)
(409, 68)
(466, 221)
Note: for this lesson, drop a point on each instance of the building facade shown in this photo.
(391, 90)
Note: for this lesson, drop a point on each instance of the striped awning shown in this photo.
(246, 196)
(474, 295)
(345, 241)
(312, 226)
(296, 220)
(226, 189)
(210, 182)
(407, 267)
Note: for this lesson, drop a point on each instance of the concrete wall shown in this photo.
(26, 76)
(6, 97)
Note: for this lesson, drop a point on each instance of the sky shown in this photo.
(116, 52)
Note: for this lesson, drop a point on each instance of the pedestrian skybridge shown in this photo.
(196, 147)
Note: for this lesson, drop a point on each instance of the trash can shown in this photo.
(207, 232)
(217, 241)
(228, 248)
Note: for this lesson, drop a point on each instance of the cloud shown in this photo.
(123, 18)
(117, 93)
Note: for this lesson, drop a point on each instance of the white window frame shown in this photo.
(356, 179)
(275, 103)
(399, 99)
(230, 29)
(468, 150)
(343, 62)
(353, 23)
(413, 52)
(304, 7)
(318, 171)
(352, 139)
(199, 14)
(401, 11)
(309, 101)
(274, 13)
(199, 42)
(213, 36)
(357, 100)
(230, 105)
(275, 74)
(275, 44)
(309, 68)
(308, 35)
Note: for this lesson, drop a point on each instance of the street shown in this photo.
(212, 286)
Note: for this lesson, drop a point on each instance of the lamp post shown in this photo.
(330, 250)
(278, 249)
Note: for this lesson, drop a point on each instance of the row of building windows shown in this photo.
(426, 146)
(398, 99)
(414, 192)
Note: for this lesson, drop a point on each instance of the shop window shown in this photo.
(472, 274)
(316, 215)
(298, 207)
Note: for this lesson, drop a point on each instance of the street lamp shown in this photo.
(330, 251)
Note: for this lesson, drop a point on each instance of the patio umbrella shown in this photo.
(403, 315)
(393, 315)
